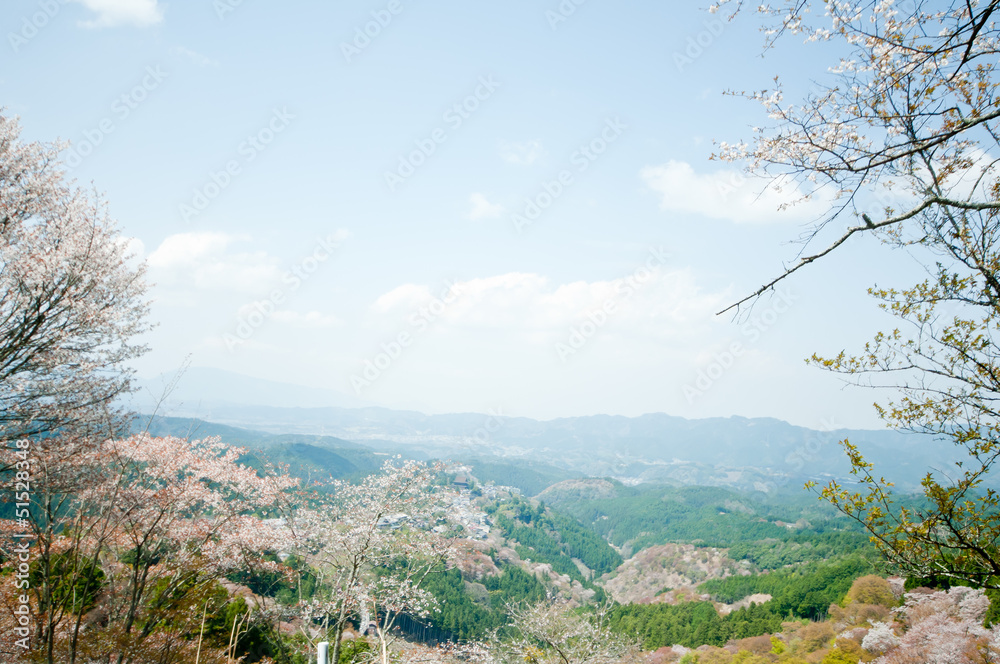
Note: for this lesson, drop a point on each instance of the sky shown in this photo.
(454, 206)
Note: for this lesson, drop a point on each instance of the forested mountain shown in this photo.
(679, 565)
(765, 531)
(692, 566)
(763, 454)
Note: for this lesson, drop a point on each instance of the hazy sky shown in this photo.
(452, 206)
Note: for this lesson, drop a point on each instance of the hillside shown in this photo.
(667, 573)
(687, 566)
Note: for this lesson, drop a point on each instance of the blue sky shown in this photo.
(474, 206)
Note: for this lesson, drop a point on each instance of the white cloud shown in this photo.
(114, 13)
(194, 56)
(973, 182)
(309, 319)
(658, 302)
(482, 208)
(730, 195)
(521, 339)
(406, 296)
(133, 246)
(187, 247)
(202, 261)
(522, 154)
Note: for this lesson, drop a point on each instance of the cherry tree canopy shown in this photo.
(71, 302)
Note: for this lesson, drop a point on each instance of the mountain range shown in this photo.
(749, 453)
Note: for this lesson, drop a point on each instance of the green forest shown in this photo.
(798, 593)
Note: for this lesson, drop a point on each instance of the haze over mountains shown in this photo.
(761, 453)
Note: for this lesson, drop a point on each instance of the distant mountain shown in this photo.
(307, 456)
(531, 478)
(186, 427)
(202, 388)
(761, 453)
(325, 457)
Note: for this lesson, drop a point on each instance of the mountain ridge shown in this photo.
(762, 453)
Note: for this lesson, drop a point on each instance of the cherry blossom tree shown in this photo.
(132, 536)
(71, 300)
(880, 638)
(552, 632)
(396, 591)
(372, 544)
(943, 627)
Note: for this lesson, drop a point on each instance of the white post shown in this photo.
(322, 652)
